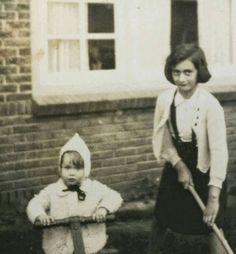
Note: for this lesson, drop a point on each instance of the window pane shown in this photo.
(63, 18)
(63, 55)
(101, 54)
(100, 18)
(184, 28)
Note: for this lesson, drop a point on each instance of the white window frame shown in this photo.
(133, 75)
(140, 48)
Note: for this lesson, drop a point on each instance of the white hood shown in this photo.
(76, 143)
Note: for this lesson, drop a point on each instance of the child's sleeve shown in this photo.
(38, 205)
(111, 199)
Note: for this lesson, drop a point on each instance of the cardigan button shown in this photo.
(195, 124)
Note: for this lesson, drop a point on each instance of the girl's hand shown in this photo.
(45, 219)
(212, 206)
(211, 212)
(100, 214)
(184, 174)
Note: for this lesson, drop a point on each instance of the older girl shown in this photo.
(190, 135)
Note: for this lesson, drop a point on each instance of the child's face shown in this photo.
(72, 173)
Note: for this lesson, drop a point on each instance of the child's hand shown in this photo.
(45, 219)
(100, 214)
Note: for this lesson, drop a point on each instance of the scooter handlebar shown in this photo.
(67, 221)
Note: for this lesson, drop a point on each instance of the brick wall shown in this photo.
(15, 71)
(120, 140)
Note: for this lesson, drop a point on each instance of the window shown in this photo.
(184, 23)
(98, 49)
(211, 24)
(68, 37)
(110, 49)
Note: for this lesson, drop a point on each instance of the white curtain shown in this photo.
(214, 21)
(63, 20)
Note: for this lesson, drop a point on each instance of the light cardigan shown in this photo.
(209, 126)
(53, 201)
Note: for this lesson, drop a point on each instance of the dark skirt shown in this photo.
(175, 207)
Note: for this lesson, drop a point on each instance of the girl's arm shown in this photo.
(219, 158)
(216, 131)
(170, 154)
(162, 142)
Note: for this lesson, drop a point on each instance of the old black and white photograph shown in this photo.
(117, 126)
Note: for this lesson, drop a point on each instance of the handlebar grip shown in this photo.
(67, 221)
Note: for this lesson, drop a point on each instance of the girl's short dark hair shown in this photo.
(193, 53)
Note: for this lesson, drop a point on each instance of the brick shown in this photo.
(41, 172)
(142, 165)
(136, 158)
(18, 97)
(6, 186)
(102, 155)
(96, 164)
(5, 34)
(4, 109)
(19, 24)
(6, 1)
(2, 78)
(8, 52)
(29, 183)
(17, 43)
(10, 6)
(7, 15)
(24, 107)
(117, 178)
(8, 88)
(24, 34)
(5, 70)
(25, 51)
(117, 169)
(23, 7)
(2, 98)
(113, 161)
(18, 78)
(37, 145)
(25, 69)
(18, 60)
(8, 176)
(23, 15)
(49, 179)
(25, 87)
(12, 108)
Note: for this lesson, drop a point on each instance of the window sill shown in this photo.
(72, 104)
(68, 106)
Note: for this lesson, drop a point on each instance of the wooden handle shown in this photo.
(214, 226)
(67, 221)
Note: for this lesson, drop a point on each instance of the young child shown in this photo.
(190, 135)
(74, 194)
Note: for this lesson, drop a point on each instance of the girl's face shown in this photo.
(185, 77)
(71, 174)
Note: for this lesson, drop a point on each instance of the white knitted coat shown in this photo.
(53, 201)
